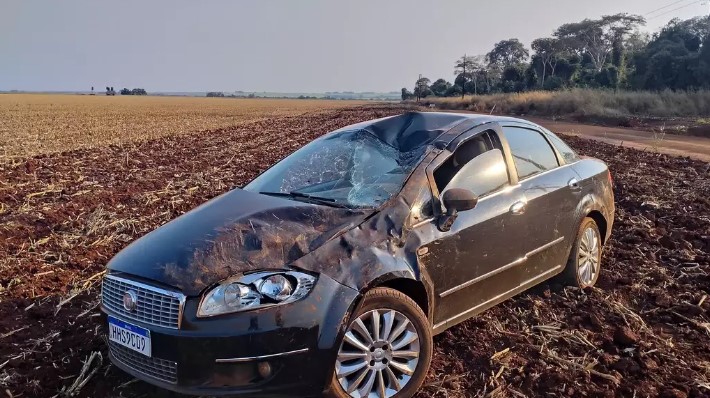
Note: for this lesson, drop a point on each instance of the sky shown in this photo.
(273, 45)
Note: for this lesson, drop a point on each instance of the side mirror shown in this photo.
(459, 199)
(455, 200)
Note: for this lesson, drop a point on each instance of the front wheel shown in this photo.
(584, 264)
(386, 349)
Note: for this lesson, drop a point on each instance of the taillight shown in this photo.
(611, 181)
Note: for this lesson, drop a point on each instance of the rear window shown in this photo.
(567, 153)
(531, 151)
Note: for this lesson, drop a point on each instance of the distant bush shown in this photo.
(586, 103)
(135, 91)
(215, 94)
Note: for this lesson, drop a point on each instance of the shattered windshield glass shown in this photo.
(350, 168)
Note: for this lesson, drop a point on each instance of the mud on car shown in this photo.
(330, 272)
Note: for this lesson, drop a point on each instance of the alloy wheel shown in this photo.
(588, 258)
(379, 354)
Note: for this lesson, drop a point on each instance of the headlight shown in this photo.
(255, 290)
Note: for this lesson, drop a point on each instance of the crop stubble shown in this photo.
(645, 329)
(42, 123)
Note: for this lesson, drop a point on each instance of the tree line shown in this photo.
(135, 91)
(609, 52)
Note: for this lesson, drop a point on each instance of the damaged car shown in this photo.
(330, 272)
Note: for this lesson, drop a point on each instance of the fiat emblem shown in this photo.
(130, 300)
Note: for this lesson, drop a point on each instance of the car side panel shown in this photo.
(549, 219)
(474, 261)
(596, 191)
(464, 260)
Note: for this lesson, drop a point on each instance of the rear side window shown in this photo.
(531, 151)
(567, 153)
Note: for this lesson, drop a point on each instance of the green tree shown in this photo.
(507, 53)
(549, 50)
(531, 79)
(672, 59)
(453, 91)
(596, 37)
(513, 79)
(440, 87)
(421, 88)
(636, 42)
(406, 94)
(702, 72)
(618, 62)
(466, 70)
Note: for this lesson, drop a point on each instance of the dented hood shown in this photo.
(236, 232)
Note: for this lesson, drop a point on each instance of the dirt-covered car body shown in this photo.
(532, 193)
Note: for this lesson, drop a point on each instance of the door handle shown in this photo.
(573, 183)
(518, 207)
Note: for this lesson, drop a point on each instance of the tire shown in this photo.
(584, 263)
(390, 358)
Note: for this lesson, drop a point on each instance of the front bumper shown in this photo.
(220, 355)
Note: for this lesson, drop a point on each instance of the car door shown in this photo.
(551, 191)
(478, 246)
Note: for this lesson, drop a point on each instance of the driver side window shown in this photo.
(477, 165)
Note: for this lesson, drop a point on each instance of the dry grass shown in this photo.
(42, 123)
(587, 103)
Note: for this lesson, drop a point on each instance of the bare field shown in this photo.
(31, 124)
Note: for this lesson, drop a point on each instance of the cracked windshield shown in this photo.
(351, 168)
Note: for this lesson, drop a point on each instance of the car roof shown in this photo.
(411, 130)
(483, 118)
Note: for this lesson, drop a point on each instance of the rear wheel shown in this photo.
(584, 263)
(386, 349)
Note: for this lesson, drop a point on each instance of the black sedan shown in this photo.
(330, 272)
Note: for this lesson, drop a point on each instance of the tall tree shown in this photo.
(513, 79)
(469, 72)
(549, 49)
(618, 61)
(636, 42)
(671, 57)
(596, 37)
(507, 53)
(702, 72)
(440, 87)
(421, 88)
(465, 69)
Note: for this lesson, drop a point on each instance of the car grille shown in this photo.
(156, 368)
(155, 306)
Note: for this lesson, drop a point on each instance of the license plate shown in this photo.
(131, 336)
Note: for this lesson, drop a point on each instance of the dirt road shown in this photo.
(694, 147)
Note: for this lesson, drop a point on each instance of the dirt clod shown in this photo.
(672, 393)
(625, 336)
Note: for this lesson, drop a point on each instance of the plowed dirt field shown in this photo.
(645, 331)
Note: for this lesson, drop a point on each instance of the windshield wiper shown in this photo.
(317, 199)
